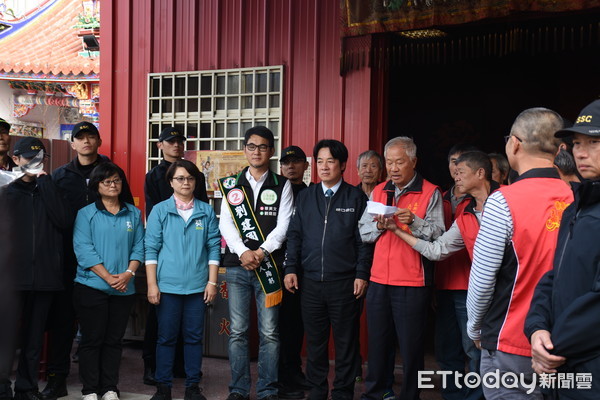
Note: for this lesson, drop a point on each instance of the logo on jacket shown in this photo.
(268, 197)
(229, 182)
(345, 210)
(199, 225)
(129, 226)
(553, 222)
(235, 197)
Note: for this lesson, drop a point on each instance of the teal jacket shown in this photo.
(182, 249)
(100, 237)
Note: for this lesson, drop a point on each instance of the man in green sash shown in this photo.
(255, 212)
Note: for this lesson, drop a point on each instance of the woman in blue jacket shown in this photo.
(182, 251)
(108, 239)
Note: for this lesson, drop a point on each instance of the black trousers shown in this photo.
(325, 306)
(103, 321)
(404, 308)
(30, 312)
(291, 336)
(62, 330)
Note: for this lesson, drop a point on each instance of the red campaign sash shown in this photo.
(248, 227)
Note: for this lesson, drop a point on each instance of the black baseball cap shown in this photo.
(587, 123)
(294, 152)
(4, 124)
(28, 147)
(84, 127)
(171, 133)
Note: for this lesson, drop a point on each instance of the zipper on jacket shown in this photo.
(328, 203)
(569, 237)
(33, 241)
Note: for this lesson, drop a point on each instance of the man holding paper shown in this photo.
(255, 213)
(401, 279)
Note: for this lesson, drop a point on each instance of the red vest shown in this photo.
(395, 262)
(453, 272)
(536, 203)
(469, 228)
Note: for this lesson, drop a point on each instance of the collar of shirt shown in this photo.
(334, 188)
(256, 184)
(400, 190)
(182, 205)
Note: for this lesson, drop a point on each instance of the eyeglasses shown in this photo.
(507, 138)
(182, 179)
(110, 182)
(252, 147)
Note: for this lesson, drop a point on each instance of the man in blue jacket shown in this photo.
(324, 246)
(563, 320)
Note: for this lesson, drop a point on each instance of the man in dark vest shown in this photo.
(255, 212)
(514, 248)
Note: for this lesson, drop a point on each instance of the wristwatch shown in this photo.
(267, 254)
(131, 272)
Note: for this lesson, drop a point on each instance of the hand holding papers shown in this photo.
(375, 208)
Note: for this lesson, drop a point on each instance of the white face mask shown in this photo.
(34, 166)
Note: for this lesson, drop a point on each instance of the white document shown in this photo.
(375, 208)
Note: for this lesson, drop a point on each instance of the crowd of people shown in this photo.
(506, 256)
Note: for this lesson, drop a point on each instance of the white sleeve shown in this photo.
(230, 232)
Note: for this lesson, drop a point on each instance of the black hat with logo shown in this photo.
(587, 123)
(171, 133)
(28, 147)
(83, 127)
(4, 124)
(292, 152)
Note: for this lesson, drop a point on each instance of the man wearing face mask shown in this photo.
(38, 222)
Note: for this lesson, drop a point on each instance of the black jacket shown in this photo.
(72, 180)
(157, 189)
(37, 222)
(566, 301)
(323, 239)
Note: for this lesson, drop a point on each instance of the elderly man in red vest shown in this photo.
(514, 249)
(401, 280)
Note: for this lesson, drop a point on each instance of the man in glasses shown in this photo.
(562, 322)
(171, 143)
(72, 180)
(514, 248)
(38, 222)
(255, 212)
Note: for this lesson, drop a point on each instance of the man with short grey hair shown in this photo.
(514, 248)
(401, 280)
(370, 167)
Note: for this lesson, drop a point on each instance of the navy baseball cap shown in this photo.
(587, 123)
(171, 133)
(28, 147)
(84, 127)
(293, 152)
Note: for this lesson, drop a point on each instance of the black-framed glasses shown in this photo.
(182, 179)
(262, 147)
(507, 138)
(110, 182)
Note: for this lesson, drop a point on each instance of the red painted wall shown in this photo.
(143, 36)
